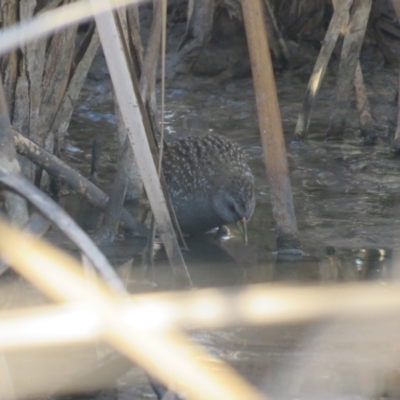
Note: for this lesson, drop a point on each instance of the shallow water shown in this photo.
(345, 194)
(346, 202)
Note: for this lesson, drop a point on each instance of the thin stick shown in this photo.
(253, 305)
(282, 44)
(149, 128)
(362, 103)
(348, 63)
(133, 117)
(338, 18)
(112, 215)
(363, 108)
(81, 68)
(273, 142)
(149, 255)
(45, 326)
(163, 47)
(50, 21)
(270, 304)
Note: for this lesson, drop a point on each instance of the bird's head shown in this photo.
(234, 202)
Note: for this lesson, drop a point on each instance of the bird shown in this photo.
(209, 182)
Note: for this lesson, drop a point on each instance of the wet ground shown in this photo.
(346, 201)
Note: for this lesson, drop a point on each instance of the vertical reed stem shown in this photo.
(132, 114)
(287, 237)
(348, 64)
(338, 19)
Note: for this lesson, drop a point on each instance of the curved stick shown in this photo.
(65, 223)
(59, 170)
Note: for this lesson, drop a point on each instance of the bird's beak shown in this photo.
(242, 226)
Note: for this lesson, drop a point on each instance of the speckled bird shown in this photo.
(209, 182)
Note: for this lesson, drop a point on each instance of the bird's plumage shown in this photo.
(209, 181)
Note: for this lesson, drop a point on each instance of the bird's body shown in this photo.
(209, 182)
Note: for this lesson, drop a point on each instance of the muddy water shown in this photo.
(345, 194)
(346, 202)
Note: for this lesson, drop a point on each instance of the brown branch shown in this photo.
(61, 171)
(270, 123)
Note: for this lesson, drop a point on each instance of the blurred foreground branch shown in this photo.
(48, 22)
(166, 354)
(202, 309)
(65, 223)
